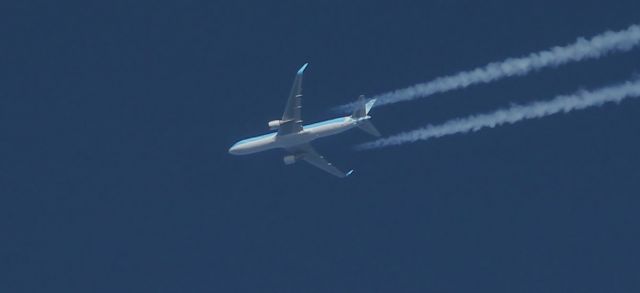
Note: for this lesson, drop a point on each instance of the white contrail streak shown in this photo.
(565, 103)
(582, 49)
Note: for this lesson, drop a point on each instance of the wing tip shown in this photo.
(301, 70)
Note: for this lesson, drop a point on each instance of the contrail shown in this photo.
(582, 49)
(564, 103)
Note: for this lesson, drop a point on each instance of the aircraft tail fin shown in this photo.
(363, 107)
(362, 111)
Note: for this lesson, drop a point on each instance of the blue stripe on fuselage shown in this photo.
(323, 123)
(251, 139)
(310, 126)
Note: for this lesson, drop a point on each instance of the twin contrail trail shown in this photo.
(565, 103)
(582, 49)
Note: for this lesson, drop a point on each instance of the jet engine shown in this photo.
(290, 159)
(275, 124)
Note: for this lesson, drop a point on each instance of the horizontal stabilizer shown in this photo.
(368, 127)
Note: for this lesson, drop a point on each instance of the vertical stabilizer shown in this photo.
(361, 115)
(361, 109)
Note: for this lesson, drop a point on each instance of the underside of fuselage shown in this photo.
(309, 133)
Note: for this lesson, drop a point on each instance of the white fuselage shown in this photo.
(309, 133)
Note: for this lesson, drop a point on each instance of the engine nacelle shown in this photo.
(275, 124)
(290, 159)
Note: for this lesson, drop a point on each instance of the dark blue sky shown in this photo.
(116, 117)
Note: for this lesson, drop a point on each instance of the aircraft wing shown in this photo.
(309, 154)
(292, 117)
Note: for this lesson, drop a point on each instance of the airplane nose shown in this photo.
(233, 150)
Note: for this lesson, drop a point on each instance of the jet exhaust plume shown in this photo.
(581, 49)
(560, 104)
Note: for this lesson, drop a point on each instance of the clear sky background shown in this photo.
(116, 118)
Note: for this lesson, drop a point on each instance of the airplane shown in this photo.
(295, 138)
